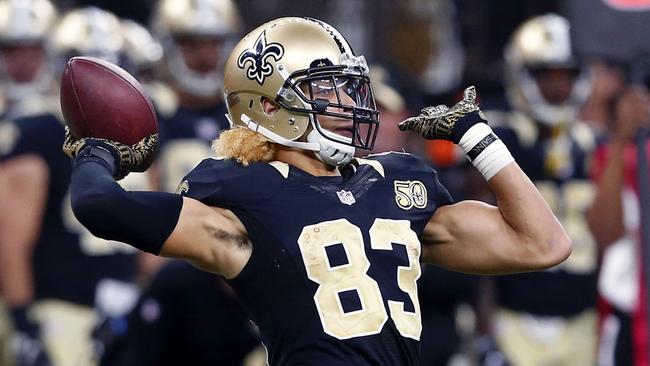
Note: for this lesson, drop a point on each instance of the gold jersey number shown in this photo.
(353, 276)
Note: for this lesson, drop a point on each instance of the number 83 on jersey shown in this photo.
(352, 276)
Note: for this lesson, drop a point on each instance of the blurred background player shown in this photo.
(56, 277)
(26, 74)
(144, 52)
(549, 317)
(393, 109)
(25, 82)
(195, 37)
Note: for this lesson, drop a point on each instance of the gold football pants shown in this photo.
(528, 340)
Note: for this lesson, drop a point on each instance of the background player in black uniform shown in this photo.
(195, 36)
(25, 85)
(547, 86)
(54, 272)
(323, 250)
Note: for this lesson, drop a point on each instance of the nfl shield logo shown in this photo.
(346, 197)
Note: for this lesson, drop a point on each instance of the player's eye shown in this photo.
(327, 86)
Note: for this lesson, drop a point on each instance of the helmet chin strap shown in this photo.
(331, 153)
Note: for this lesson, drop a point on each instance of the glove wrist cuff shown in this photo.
(485, 150)
(97, 153)
(465, 123)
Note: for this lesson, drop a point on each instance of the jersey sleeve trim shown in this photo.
(281, 167)
(373, 163)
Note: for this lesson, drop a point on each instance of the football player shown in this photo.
(26, 83)
(195, 37)
(26, 74)
(53, 271)
(322, 249)
(26, 86)
(546, 86)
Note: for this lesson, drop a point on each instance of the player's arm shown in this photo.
(23, 193)
(160, 223)
(519, 234)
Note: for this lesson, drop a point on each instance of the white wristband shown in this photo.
(486, 151)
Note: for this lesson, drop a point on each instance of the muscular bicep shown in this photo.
(473, 237)
(211, 238)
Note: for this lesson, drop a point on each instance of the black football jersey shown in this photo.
(558, 165)
(68, 261)
(332, 279)
(185, 140)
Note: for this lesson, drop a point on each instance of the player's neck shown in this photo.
(305, 161)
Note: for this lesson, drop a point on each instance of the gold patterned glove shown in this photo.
(442, 122)
(134, 158)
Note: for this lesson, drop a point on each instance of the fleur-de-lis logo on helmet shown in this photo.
(259, 67)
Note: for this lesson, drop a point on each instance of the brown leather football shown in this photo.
(100, 99)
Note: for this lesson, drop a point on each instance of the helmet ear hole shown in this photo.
(268, 106)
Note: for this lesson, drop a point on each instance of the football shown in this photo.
(100, 99)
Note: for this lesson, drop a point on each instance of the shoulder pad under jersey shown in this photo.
(401, 166)
(513, 127)
(226, 183)
(9, 135)
(584, 135)
(40, 134)
(395, 163)
(163, 97)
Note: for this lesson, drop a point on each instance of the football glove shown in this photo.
(133, 158)
(442, 122)
(27, 348)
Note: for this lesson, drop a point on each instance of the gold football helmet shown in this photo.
(543, 43)
(92, 32)
(296, 63)
(206, 19)
(142, 49)
(25, 23)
